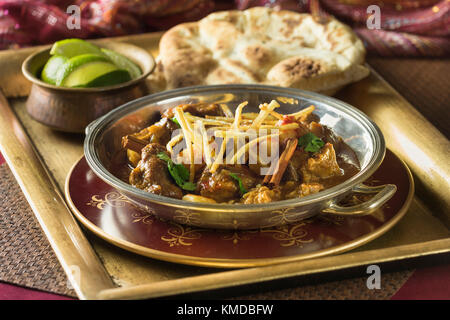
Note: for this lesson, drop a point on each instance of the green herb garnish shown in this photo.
(178, 172)
(175, 120)
(310, 142)
(239, 180)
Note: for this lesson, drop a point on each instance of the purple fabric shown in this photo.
(33, 22)
(13, 292)
(408, 28)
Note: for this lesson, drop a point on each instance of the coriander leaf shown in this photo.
(174, 173)
(178, 172)
(310, 142)
(175, 120)
(241, 185)
(164, 157)
(189, 186)
(183, 172)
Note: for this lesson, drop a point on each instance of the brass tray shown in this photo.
(41, 159)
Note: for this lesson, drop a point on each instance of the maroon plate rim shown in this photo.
(239, 263)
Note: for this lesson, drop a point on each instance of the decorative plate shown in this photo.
(108, 214)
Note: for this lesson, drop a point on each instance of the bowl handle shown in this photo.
(384, 193)
(92, 124)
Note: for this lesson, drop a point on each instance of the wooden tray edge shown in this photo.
(240, 277)
(78, 259)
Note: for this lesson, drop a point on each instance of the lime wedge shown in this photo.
(82, 69)
(51, 68)
(73, 47)
(87, 73)
(109, 79)
(123, 62)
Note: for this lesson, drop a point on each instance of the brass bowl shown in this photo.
(72, 109)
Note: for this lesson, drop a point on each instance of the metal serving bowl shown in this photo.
(103, 142)
(72, 109)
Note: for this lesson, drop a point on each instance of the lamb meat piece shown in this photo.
(152, 175)
(326, 134)
(221, 186)
(322, 165)
(262, 194)
(160, 132)
(304, 189)
(199, 110)
(299, 159)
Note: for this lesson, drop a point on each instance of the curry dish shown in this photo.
(206, 153)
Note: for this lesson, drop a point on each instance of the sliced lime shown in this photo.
(123, 62)
(109, 79)
(51, 68)
(73, 47)
(86, 75)
(82, 69)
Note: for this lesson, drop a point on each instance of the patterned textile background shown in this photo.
(406, 27)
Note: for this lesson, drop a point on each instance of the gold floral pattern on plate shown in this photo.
(181, 235)
(237, 236)
(291, 235)
(285, 216)
(113, 199)
(187, 216)
(143, 217)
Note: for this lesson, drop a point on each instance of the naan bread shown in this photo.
(260, 45)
